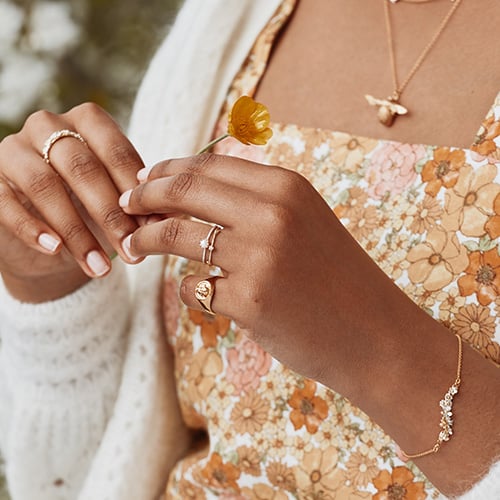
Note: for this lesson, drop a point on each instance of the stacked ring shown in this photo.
(53, 138)
(208, 244)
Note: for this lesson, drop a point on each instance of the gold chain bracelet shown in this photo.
(446, 405)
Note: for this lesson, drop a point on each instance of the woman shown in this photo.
(92, 407)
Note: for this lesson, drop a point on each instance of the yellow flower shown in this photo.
(249, 122)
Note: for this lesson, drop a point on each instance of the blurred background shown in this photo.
(56, 54)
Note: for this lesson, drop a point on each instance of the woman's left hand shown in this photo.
(292, 275)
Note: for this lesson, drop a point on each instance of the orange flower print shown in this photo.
(474, 324)
(361, 469)
(220, 475)
(263, 492)
(250, 413)
(484, 143)
(472, 199)
(398, 485)
(171, 306)
(188, 491)
(205, 366)
(318, 476)
(308, 409)
(350, 151)
(426, 215)
(493, 225)
(247, 363)
(212, 327)
(281, 476)
(249, 460)
(357, 199)
(437, 260)
(362, 222)
(492, 351)
(442, 170)
(482, 276)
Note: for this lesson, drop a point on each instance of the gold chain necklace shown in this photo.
(389, 108)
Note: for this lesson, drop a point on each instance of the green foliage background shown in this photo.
(106, 66)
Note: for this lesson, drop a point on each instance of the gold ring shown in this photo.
(204, 293)
(53, 138)
(208, 244)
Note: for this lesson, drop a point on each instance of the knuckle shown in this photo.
(21, 226)
(199, 164)
(41, 183)
(289, 182)
(171, 233)
(82, 167)
(86, 109)
(114, 219)
(11, 142)
(72, 231)
(278, 215)
(38, 117)
(5, 196)
(180, 185)
(122, 156)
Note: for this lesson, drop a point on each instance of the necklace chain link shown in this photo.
(399, 88)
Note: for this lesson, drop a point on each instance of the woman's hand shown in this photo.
(293, 276)
(307, 292)
(60, 221)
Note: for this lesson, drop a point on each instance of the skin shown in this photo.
(274, 219)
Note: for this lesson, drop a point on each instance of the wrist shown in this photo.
(38, 289)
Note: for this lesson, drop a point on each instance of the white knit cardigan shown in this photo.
(88, 408)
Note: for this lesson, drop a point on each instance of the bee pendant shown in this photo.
(388, 109)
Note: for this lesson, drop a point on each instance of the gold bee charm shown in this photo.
(388, 109)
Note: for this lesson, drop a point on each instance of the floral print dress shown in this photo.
(430, 218)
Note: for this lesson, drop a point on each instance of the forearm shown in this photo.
(401, 363)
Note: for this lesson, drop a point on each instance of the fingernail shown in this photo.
(48, 242)
(126, 248)
(97, 263)
(142, 174)
(125, 198)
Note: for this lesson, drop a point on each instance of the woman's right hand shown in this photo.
(59, 222)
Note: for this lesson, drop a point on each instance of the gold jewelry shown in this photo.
(53, 138)
(446, 405)
(390, 107)
(204, 293)
(208, 244)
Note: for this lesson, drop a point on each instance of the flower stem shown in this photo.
(211, 144)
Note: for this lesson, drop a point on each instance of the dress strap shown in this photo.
(487, 140)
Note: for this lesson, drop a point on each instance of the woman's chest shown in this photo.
(332, 53)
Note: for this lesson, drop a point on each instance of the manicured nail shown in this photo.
(126, 248)
(125, 198)
(142, 174)
(97, 263)
(48, 242)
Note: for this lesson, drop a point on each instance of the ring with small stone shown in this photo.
(208, 244)
(204, 293)
(53, 138)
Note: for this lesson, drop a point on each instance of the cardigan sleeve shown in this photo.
(60, 368)
(89, 409)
